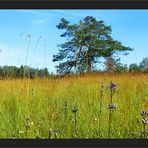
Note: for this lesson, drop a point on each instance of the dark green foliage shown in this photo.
(43, 72)
(134, 68)
(86, 42)
(144, 65)
(23, 71)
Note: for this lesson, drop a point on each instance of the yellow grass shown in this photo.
(43, 101)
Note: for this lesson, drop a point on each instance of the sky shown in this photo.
(130, 27)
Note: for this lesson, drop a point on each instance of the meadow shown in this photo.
(74, 107)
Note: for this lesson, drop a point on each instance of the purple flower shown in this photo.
(144, 113)
(112, 106)
(113, 86)
(55, 132)
(145, 121)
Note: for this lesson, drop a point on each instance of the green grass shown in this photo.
(43, 101)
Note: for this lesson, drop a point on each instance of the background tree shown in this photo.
(144, 65)
(86, 42)
(134, 67)
(111, 64)
(114, 65)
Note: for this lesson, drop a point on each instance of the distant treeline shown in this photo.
(116, 67)
(112, 66)
(23, 71)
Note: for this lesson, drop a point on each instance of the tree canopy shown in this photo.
(86, 42)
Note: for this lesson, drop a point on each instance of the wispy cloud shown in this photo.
(57, 13)
(43, 13)
(73, 13)
(7, 52)
(39, 21)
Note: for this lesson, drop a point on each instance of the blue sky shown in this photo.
(130, 27)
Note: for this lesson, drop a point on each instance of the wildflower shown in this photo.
(113, 86)
(75, 109)
(27, 126)
(144, 113)
(145, 121)
(31, 123)
(66, 105)
(75, 121)
(112, 106)
(101, 91)
(55, 132)
(27, 118)
(50, 133)
(66, 109)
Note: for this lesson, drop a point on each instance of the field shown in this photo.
(44, 108)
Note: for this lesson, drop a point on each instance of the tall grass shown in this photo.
(49, 117)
